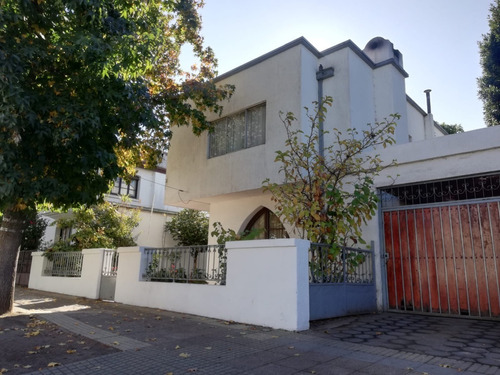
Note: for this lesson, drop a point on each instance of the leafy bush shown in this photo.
(103, 225)
(189, 227)
(224, 235)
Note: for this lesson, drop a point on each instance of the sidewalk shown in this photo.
(122, 339)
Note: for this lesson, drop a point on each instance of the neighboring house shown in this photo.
(145, 192)
(436, 235)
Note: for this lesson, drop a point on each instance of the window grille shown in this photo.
(239, 131)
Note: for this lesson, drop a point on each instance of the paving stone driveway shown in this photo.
(473, 340)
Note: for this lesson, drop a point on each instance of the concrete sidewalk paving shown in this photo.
(152, 341)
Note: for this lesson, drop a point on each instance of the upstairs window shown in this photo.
(122, 188)
(242, 130)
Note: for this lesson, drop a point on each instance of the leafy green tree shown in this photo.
(105, 225)
(88, 89)
(189, 228)
(452, 128)
(328, 196)
(33, 232)
(34, 229)
(489, 83)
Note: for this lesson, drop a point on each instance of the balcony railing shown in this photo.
(334, 265)
(188, 264)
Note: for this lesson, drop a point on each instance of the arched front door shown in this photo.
(269, 224)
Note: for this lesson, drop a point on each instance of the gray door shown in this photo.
(108, 275)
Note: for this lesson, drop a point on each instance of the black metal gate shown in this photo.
(23, 267)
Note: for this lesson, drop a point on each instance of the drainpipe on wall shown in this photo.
(321, 75)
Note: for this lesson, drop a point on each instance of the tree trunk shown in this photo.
(11, 232)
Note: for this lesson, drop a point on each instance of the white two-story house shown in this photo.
(144, 193)
(225, 169)
(436, 234)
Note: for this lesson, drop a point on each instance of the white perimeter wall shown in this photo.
(267, 284)
(85, 286)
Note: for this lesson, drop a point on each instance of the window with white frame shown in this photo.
(121, 187)
(242, 130)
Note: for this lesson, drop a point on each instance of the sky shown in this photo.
(438, 40)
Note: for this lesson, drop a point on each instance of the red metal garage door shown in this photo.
(444, 257)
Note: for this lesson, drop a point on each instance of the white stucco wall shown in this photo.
(390, 98)
(236, 210)
(455, 155)
(50, 232)
(273, 299)
(150, 192)
(274, 81)
(286, 81)
(149, 232)
(416, 123)
(87, 285)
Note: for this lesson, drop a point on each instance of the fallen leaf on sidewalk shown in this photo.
(3, 370)
(185, 355)
(33, 333)
(158, 317)
(116, 343)
(177, 347)
(71, 351)
(53, 364)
